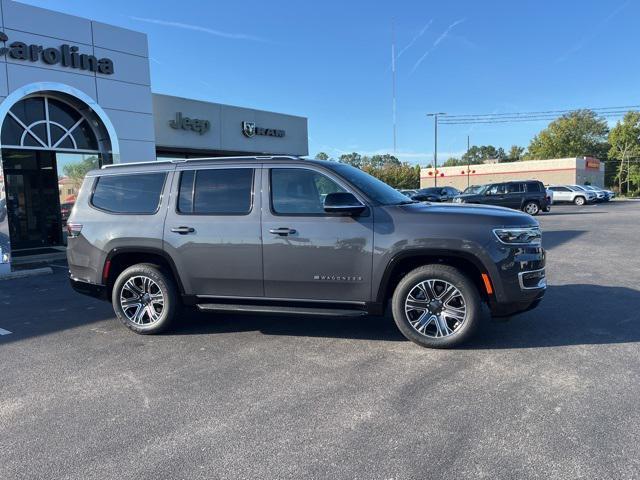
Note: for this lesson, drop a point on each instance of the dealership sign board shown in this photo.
(66, 56)
(250, 130)
(185, 123)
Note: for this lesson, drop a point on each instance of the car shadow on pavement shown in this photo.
(577, 212)
(554, 238)
(356, 328)
(568, 315)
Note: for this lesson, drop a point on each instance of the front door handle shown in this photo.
(183, 230)
(283, 232)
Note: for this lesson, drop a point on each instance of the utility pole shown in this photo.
(393, 81)
(468, 163)
(435, 145)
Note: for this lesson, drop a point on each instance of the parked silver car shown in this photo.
(571, 194)
(600, 196)
(603, 195)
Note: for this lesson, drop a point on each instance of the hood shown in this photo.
(464, 196)
(473, 213)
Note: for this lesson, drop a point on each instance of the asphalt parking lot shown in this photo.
(553, 393)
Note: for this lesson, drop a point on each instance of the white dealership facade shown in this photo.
(75, 93)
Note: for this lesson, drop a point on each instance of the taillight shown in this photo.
(73, 230)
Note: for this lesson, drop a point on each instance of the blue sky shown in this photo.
(330, 61)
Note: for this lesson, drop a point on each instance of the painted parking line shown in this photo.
(4, 332)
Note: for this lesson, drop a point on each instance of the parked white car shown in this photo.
(571, 194)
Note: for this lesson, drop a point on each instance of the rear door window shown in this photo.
(219, 191)
(130, 194)
(515, 188)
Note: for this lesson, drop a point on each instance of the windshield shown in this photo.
(373, 188)
(435, 190)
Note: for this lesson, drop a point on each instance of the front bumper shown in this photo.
(520, 279)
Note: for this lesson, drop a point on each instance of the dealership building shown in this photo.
(557, 171)
(77, 94)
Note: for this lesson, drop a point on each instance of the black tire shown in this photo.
(165, 285)
(580, 201)
(454, 277)
(532, 208)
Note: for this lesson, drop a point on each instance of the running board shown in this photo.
(329, 312)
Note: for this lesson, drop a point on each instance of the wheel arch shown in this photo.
(120, 258)
(403, 262)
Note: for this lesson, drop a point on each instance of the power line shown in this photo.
(532, 118)
(546, 112)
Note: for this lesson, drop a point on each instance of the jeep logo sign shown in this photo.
(249, 129)
(66, 56)
(186, 123)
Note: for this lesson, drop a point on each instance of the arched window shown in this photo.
(47, 123)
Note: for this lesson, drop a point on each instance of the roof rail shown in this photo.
(200, 159)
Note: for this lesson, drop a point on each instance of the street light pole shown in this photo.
(468, 163)
(435, 145)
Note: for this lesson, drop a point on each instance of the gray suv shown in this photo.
(287, 235)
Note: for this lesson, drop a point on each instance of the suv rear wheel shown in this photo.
(579, 201)
(532, 208)
(436, 306)
(145, 298)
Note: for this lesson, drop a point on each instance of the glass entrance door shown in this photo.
(33, 205)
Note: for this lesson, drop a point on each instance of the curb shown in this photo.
(34, 272)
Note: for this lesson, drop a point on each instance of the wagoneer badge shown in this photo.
(339, 278)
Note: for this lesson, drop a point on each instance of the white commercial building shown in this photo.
(75, 94)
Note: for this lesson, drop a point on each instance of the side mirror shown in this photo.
(343, 202)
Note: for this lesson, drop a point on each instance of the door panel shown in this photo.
(497, 195)
(324, 257)
(217, 253)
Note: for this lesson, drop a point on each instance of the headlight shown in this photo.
(519, 236)
(457, 200)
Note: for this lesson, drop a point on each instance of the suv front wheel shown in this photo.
(145, 298)
(436, 306)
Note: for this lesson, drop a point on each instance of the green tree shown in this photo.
(515, 154)
(478, 154)
(354, 159)
(398, 175)
(322, 156)
(575, 134)
(453, 162)
(77, 171)
(381, 160)
(624, 139)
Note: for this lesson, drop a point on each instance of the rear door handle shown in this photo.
(283, 232)
(183, 230)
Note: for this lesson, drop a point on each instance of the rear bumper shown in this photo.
(90, 289)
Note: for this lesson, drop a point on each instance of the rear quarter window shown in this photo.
(534, 187)
(133, 194)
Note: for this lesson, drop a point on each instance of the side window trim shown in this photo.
(339, 182)
(195, 170)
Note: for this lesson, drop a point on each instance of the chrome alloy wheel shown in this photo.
(435, 308)
(531, 208)
(141, 300)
